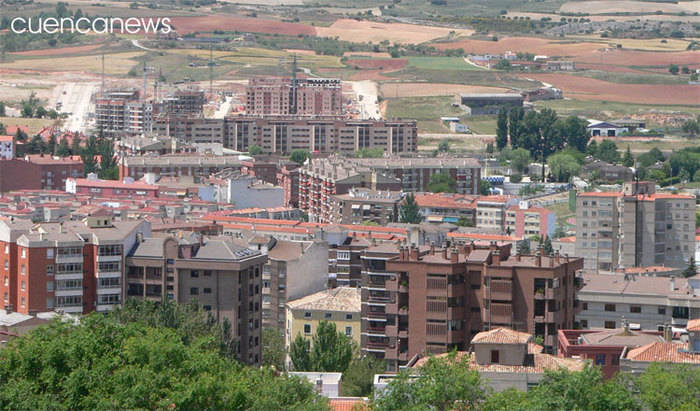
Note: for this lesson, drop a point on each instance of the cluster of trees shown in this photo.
(541, 133)
(376, 152)
(143, 356)
(691, 127)
(332, 351)
(449, 383)
(409, 210)
(32, 108)
(299, 156)
(102, 148)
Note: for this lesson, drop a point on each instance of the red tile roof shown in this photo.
(479, 236)
(84, 182)
(7, 138)
(348, 404)
(694, 325)
(502, 336)
(663, 352)
(601, 194)
(440, 200)
(571, 239)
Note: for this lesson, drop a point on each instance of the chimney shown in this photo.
(626, 327)
(672, 284)
(492, 246)
(454, 257)
(668, 333)
(556, 256)
(414, 253)
(538, 258)
(517, 257)
(496, 257)
(551, 261)
(468, 248)
(444, 252)
(432, 248)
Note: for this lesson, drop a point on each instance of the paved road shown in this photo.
(76, 100)
(136, 44)
(367, 93)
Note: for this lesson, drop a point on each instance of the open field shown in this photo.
(367, 54)
(598, 18)
(394, 90)
(640, 58)
(534, 45)
(653, 114)
(639, 77)
(185, 25)
(115, 64)
(624, 6)
(59, 51)
(377, 64)
(364, 31)
(591, 89)
(638, 44)
(427, 110)
(491, 78)
(33, 124)
(440, 63)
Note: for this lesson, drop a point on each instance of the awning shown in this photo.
(434, 219)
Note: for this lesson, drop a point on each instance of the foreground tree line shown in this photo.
(149, 355)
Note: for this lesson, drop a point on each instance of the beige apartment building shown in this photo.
(634, 228)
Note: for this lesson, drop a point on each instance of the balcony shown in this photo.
(544, 294)
(69, 258)
(108, 258)
(73, 275)
(109, 290)
(68, 292)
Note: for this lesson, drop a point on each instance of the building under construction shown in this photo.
(121, 112)
(292, 96)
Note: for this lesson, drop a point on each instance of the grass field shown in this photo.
(115, 64)
(427, 110)
(629, 78)
(34, 124)
(440, 63)
(598, 108)
(481, 124)
(473, 77)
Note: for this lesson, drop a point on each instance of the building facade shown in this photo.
(287, 96)
(360, 206)
(634, 228)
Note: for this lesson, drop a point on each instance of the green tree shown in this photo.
(524, 247)
(691, 127)
(502, 129)
(442, 183)
(673, 69)
(63, 149)
(255, 150)
(465, 222)
(299, 156)
(358, 379)
(329, 350)
(692, 269)
(2, 109)
(651, 157)
(520, 159)
(273, 351)
(484, 187)
(376, 152)
(607, 151)
(109, 170)
(444, 146)
(592, 149)
(503, 64)
(628, 159)
(547, 244)
(75, 145)
(106, 362)
(409, 210)
(669, 387)
(40, 112)
(300, 354)
(515, 117)
(444, 383)
(574, 131)
(563, 166)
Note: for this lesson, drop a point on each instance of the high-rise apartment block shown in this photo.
(223, 277)
(427, 300)
(634, 228)
(121, 112)
(72, 266)
(292, 96)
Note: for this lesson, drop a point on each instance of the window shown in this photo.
(49, 269)
(23, 285)
(206, 307)
(600, 359)
(307, 314)
(49, 302)
(348, 316)
(49, 253)
(307, 328)
(49, 286)
(108, 282)
(194, 274)
(343, 255)
(327, 316)
(22, 301)
(494, 357)
(348, 331)
(108, 299)
(24, 269)
(7, 281)
(207, 291)
(662, 310)
(194, 291)
(109, 250)
(584, 323)
(610, 324)
(635, 309)
(7, 265)
(609, 307)
(585, 306)
(24, 253)
(69, 284)
(109, 266)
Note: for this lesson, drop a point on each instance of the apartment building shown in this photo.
(7, 147)
(340, 306)
(361, 205)
(120, 112)
(491, 212)
(284, 134)
(177, 165)
(415, 173)
(523, 220)
(648, 302)
(288, 178)
(294, 270)
(446, 207)
(73, 266)
(320, 179)
(190, 102)
(634, 228)
(429, 300)
(110, 188)
(223, 277)
(636, 360)
(38, 172)
(287, 96)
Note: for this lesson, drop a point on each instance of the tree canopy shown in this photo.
(299, 156)
(409, 210)
(442, 183)
(125, 361)
(330, 350)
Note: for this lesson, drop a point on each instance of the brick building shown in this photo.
(286, 96)
(523, 220)
(109, 188)
(428, 300)
(72, 266)
(223, 277)
(38, 172)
